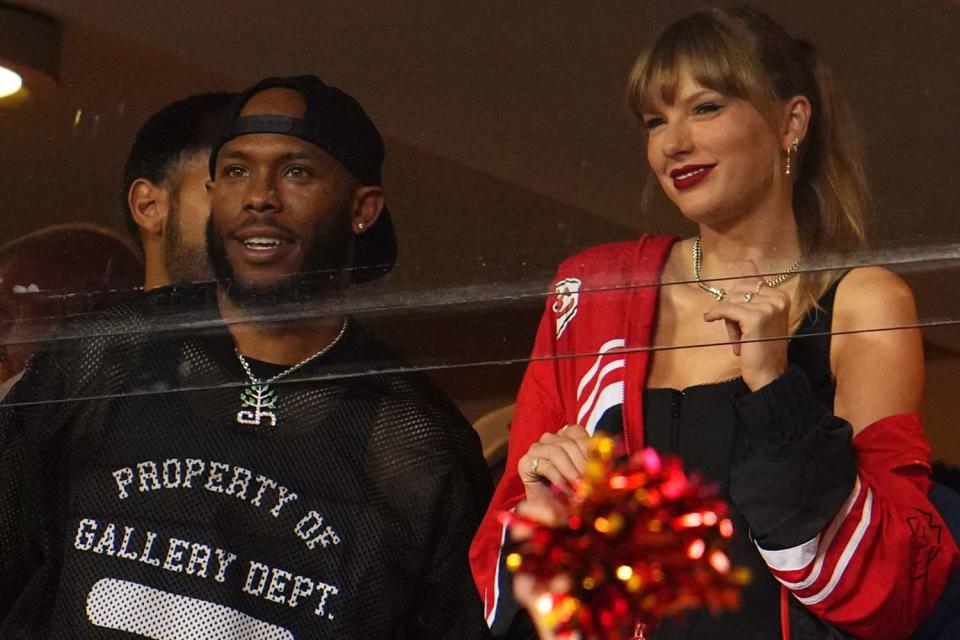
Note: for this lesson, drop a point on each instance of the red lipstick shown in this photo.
(689, 175)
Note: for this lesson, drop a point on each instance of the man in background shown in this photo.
(49, 273)
(163, 188)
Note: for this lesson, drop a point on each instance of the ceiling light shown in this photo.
(10, 82)
(29, 53)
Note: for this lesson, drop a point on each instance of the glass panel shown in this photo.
(509, 148)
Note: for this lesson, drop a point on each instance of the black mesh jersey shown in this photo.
(134, 504)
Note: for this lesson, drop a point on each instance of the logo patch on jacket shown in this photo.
(925, 543)
(565, 303)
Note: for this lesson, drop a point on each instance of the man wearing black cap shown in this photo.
(255, 476)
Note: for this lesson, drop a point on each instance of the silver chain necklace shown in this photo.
(258, 401)
(718, 293)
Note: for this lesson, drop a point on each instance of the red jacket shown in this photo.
(874, 571)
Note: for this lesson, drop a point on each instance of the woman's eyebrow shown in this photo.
(697, 95)
(693, 97)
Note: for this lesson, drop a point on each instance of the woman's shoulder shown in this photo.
(873, 298)
(877, 353)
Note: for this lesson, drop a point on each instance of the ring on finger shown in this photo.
(534, 464)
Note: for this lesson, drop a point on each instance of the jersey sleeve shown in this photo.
(843, 523)
(538, 410)
(30, 416)
(14, 563)
(449, 607)
(427, 476)
(37, 436)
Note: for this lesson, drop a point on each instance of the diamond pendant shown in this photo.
(258, 398)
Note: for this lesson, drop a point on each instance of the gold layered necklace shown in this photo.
(718, 293)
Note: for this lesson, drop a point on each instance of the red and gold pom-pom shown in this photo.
(641, 541)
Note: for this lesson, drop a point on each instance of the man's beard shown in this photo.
(185, 263)
(323, 267)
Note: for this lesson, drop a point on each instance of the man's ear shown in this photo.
(367, 205)
(148, 204)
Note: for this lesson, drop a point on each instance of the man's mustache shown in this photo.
(260, 220)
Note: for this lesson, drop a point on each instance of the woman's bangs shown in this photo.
(713, 58)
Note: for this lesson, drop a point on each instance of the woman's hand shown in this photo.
(525, 588)
(557, 459)
(758, 322)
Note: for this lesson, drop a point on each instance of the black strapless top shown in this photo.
(698, 424)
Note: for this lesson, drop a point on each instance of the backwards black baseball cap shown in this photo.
(335, 122)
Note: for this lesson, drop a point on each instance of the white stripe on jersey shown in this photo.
(846, 556)
(792, 559)
(592, 371)
(587, 406)
(611, 396)
(828, 537)
(496, 579)
(798, 558)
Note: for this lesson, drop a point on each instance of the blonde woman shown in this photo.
(816, 439)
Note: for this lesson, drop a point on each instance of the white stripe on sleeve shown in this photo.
(822, 544)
